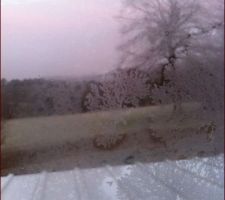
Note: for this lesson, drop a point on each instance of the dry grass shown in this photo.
(30, 133)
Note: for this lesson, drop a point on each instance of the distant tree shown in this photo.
(40, 97)
(87, 91)
(3, 98)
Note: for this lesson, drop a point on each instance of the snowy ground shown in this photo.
(61, 143)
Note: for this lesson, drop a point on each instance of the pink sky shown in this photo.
(58, 38)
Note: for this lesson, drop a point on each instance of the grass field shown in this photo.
(51, 142)
(28, 133)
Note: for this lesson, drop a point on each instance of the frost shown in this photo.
(184, 42)
(125, 89)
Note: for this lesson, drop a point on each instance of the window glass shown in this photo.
(126, 84)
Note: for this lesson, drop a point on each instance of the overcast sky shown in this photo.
(45, 38)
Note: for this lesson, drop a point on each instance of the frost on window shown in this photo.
(196, 179)
(157, 110)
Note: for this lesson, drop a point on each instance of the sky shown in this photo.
(55, 38)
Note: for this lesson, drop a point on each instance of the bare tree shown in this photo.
(166, 33)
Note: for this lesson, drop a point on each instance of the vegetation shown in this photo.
(29, 133)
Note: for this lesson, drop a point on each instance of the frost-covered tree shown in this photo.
(121, 90)
(168, 34)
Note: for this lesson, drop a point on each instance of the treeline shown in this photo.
(40, 97)
(43, 97)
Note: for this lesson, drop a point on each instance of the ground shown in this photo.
(62, 142)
